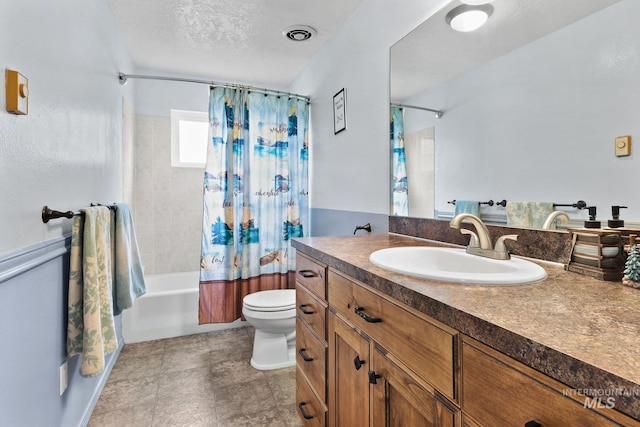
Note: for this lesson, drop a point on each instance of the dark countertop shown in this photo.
(578, 330)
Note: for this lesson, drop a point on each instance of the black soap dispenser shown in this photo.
(616, 222)
(591, 222)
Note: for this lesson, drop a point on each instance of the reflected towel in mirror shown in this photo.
(528, 214)
(467, 206)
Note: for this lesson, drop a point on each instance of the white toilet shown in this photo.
(273, 315)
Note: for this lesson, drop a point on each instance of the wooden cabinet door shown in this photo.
(400, 401)
(348, 375)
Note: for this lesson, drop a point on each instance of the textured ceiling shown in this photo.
(226, 40)
(434, 53)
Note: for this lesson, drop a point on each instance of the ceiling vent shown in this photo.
(299, 33)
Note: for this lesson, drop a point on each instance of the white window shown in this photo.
(189, 136)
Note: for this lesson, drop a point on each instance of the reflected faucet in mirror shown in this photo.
(550, 222)
(483, 238)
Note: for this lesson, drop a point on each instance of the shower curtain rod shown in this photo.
(124, 77)
(438, 112)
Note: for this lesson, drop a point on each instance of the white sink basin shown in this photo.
(456, 266)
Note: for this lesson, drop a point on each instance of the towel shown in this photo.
(528, 214)
(539, 212)
(467, 206)
(128, 275)
(91, 327)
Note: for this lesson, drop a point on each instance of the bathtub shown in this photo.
(168, 309)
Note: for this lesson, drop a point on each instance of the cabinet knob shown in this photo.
(301, 406)
(532, 423)
(358, 363)
(360, 312)
(373, 377)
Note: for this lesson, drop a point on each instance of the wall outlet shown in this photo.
(64, 377)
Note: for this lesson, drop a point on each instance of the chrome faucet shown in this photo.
(480, 242)
(550, 221)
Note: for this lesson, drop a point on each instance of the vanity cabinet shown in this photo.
(311, 341)
(499, 391)
(366, 359)
(385, 362)
(348, 375)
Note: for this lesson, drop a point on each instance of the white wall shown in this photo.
(540, 122)
(350, 170)
(66, 153)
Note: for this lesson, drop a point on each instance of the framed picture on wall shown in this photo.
(339, 111)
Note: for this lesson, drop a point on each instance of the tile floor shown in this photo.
(197, 380)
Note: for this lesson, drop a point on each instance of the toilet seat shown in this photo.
(270, 301)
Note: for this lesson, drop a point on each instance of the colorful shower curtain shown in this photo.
(255, 198)
(399, 189)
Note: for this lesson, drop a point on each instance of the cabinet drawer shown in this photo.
(311, 358)
(311, 274)
(312, 311)
(429, 349)
(498, 391)
(311, 411)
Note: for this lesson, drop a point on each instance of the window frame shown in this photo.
(176, 117)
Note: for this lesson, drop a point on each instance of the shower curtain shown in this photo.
(399, 189)
(255, 197)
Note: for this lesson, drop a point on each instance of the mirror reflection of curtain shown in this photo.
(399, 185)
(255, 198)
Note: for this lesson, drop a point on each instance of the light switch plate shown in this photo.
(17, 95)
(623, 146)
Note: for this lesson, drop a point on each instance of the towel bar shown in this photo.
(490, 202)
(580, 204)
(49, 214)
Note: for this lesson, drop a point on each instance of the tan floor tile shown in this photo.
(197, 380)
(136, 367)
(227, 338)
(290, 416)
(241, 351)
(192, 357)
(283, 385)
(133, 416)
(268, 418)
(190, 384)
(234, 372)
(146, 348)
(123, 394)
(244, 398)
(185, 413)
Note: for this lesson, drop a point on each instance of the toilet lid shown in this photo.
(274, 300)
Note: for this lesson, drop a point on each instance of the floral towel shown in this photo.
(91, 329)
(528, 214)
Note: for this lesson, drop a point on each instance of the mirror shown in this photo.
(532, 103)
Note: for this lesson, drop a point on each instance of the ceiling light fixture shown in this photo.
(299, 33)
(467, 18)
